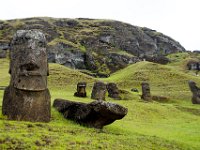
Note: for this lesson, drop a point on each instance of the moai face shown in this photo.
(28, 66)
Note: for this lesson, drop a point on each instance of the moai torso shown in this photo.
(195, 92)
(27, 97)
(146, 95)
(113, 91)
(99, 91)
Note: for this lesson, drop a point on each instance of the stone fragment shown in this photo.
(195, 92)
(113, 91)
(81, 90)
(99, 91)
(96, 114)
(27, 97)
(146, 95)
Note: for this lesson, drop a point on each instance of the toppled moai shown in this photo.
(81, 90)
(146, 95)
(113, 91)
(99, 91)
(95, 114)
(195, 92)
(27, 96)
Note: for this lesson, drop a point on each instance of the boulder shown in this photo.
(99, 91)
(193, 65)
(96, 114)
(146, 95)
(113, 91)
(81, 90)
(195, 92)
(27, 97)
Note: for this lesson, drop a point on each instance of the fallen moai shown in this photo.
(95, 114)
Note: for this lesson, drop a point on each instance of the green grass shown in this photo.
(147, 125)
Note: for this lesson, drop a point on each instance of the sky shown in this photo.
(179, 19)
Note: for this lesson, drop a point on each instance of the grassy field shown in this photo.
(160, 126)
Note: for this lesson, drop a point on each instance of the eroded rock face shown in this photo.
(27, 97)
(81, 90)
(95, 114)
(66, 55)
(146, 95)
(113, 91)
(195, 92)
(99, 91)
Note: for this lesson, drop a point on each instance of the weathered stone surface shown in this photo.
(113, 91)
(66, 55)
(195, 92)
(99, 91)
(81, 90)
(27, 97)
(95, 114)
(146, 95)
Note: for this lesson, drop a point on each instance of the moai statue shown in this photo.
(146, 95)
(195, 92)
(27, 97)
(81, 92)
(113, 91)
(99, 91)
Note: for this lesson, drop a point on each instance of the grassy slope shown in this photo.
(147, 125)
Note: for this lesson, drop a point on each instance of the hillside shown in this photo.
(100, 46)
(147, 126)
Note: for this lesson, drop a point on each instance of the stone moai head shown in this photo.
(195, 92)
(27, 97)
(81, 90)
(99, 91)
(146, 95)
(113, 91)
(193, 86)
(28, 65)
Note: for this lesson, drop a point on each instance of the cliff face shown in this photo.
(101, 46)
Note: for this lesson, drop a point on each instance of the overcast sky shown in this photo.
(179, 19)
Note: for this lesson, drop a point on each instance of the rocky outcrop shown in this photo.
(66, 55)
(101, 46)
(96, 114)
